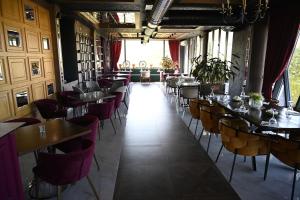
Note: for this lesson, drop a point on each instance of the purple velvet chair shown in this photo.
(74, 145)
(118, 100)
(49, 109)
(67, 99)
(63, 169)
(103, 111)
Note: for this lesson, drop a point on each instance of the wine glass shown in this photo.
(289, 109)
(272, 120)
(212, 94)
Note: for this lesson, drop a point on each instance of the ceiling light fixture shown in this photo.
(246, 11)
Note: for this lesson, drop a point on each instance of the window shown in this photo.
(151, 53)
(294, 73)
(220, 44)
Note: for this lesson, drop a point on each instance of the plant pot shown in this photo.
(257, 104)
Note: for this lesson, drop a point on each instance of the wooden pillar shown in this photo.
(258, 54)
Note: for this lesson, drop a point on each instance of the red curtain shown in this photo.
(283, 30)
(174, 50)
(115, 51)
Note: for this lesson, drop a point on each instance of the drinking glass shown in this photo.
(242, 107)
(212, 94)
(273, 121)
(289, 109)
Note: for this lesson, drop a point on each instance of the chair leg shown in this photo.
(125, 104)
(232, 168)
(201, 135)
(112, 123)
(96, 161)
(294, 183)
(219, 153)
(190, 122)
(59, 192)
(254, 163)
(93, 187)
(119, 115)
(208, 142)
(196, 127)
(266, 166)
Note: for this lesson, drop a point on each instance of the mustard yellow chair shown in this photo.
(195, 112)
(288, 152)
(209, 116)
(237, 139)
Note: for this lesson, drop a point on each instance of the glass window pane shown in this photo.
(222, 45)
(294, 73)
(210, 44)
(216, 43)
(151, 52)
(229, 46)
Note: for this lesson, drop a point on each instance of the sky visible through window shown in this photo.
(151, 52)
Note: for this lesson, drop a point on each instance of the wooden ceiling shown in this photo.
(184, 18)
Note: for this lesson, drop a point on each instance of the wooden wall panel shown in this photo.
(32, 41)
(1, 38)
(5, 105)
(18, 69)
(4, 75)
(48, 67)
(11, 9)
(44, 19)
(38, 91)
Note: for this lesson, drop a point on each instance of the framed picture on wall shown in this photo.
(35, 67)
(30, 12)
(46, 43)
(3, 72)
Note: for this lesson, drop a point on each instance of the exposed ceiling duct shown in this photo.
(158, 11)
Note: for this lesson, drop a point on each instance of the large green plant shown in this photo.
(213, 70)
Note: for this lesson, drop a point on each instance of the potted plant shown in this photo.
(167, 65)
(255, 100)
(213, 71)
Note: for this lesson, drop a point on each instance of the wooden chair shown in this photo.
(195, 112)
(237, 139)
(288, 152)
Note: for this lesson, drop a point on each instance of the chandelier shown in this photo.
(244, 11)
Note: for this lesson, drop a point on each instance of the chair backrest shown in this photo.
(172, 82)
(63, 169)
(190, 92)
(104, 83)
(194, 108)
(46, 107)
(102, 110)
(118, 99)
(28, 121)
(237, 139)
(65, 98)
(287, 151)
(121, 89)
(87, 120)
(145, 74)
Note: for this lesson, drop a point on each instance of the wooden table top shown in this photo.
(29, 138)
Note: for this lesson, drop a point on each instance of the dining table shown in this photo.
(93, 97)
(259, 117)
(31, 139)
